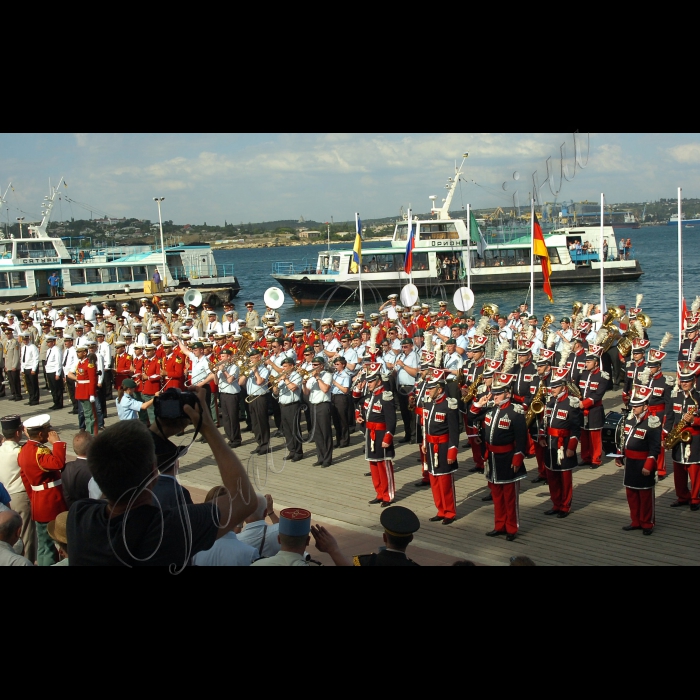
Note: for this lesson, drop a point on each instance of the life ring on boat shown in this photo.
(81, 256)
(214, 301)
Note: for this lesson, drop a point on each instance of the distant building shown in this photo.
(309, 234)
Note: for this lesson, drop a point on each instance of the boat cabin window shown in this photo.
(92, 275)
(139, 273)
(124, 274)
(444, 230)
(503, 257)
(393, 262)
(109, 274)
(36, 249)
(401, 232)
(553, 256)
(5, 250)
(77, 275)
(12, 280)
(329, 264)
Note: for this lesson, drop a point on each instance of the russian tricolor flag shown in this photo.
(410, 245)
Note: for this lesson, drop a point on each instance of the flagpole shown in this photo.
(532, 256)
(680, 272)
(359, 264)
(410, 228)
(469, 240)
(600, 258)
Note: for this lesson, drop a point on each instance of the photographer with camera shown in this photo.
(131, 529)
(127, 406)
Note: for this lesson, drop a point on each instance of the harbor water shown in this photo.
(656, 248)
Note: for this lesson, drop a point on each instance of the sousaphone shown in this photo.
(463, 299)
(192, 296)
(409, 295)
(273, 297)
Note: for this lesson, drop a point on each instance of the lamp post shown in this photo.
(20, 219)
(158, 200)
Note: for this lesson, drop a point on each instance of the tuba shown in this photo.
(613, 332)
(489, 309)
(576, 308)
(547, 321)
(537, 405)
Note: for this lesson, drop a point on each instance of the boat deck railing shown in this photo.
(202, 271)
(301, 267)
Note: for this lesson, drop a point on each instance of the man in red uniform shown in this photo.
(640, 449)
(423, 319)
(85, 377)
(506, 443)
(40, 470)
(659, 399)
(473, 374)
(378, 415)
(123, 364)
(173, 370)
(634, 367)
(444, 313)
(440, 442)
(540, 381)
(150, 374)
(593, 383)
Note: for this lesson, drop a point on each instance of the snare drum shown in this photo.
(612, 436)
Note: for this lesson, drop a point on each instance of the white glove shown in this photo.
(92, 399)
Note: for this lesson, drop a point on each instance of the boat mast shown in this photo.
(444, 211)
(40, 230)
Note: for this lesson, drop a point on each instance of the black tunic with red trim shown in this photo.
(686, 345)
(679, 404)
(419, 396)
(560, 425)
(522, 386)
(441, 434)
(379, 415)
(632, 371)
(641, 447)
(534, 388)
(506, 441)
(473, 372)
(578, 364)
(593, 384)
(661, 393)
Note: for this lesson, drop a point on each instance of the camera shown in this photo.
(171, 402)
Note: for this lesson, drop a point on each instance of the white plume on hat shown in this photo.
(500, 349)
(508, 364)
(639, 328)
(551, 340)
(665, 340)
(695, 305)
(565, 350)
(428, 341)
(643, 377)
(482, 325)
(638, 301)
(585, 311)
(601, 335)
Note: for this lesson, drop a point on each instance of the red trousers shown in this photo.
(539, 456)
(531, 445)
(505, 506)
(477, 454)
(592, 446)
(443, 487)
(383, 479)
(681, 472)
(661, 463)
(641, 502)
(561, 489)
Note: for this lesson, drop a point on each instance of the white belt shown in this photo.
(82, 381)
(49, 485)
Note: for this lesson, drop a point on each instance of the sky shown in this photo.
(268, 177)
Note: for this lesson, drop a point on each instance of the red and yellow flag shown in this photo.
(539, 248)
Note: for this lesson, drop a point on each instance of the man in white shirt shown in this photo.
(54, 372)
(213, 326)
(105, 352)
(288, 392)
(29, 366)
(89, 311)
(390, 305)
(257, 389)
(452, 362)
(10, 477)
(564, 335)
(407, 364)
(504, 332)
(257, 533)
(229, 325)
(51, 313)
(317, 389)
(229, 397)
(68, 364)
(139, 336)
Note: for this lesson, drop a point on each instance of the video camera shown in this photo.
(171, 402)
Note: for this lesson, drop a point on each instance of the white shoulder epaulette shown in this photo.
(481, 389)
(388, 396)
(605, 375)
(384, 377)
(671, 381)
(674, 393)
(452, 403)
(574, 402)
(654, 422)
(518, 408)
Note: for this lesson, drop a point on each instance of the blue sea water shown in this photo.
(656, 248)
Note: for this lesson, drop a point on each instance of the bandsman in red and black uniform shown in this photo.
(85, 378)
(593, 383)
(525, 379)
(634, 367)
(151, 374)
(378, 415)
(578, 359)
(40, 471)
(559, 433)
(471, 374)
(641, 444)
(440, 443)
(684, 405)
(444, 313)
(423, 319)
(506, 443)
(544, 373)
(692, 327)
(659, 399)
(416, 402)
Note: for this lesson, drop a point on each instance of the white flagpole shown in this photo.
(410, 229)
(600, 258)
(680, 271)
(469, 240)
(532, 256)
(359, 264)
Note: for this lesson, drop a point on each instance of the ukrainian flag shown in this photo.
(357, 249)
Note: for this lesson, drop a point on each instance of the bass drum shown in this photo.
(612, 432)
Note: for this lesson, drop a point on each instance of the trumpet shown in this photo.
(274, 382)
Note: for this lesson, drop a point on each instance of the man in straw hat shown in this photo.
(641, 444)
(57, 532)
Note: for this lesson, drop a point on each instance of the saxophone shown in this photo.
(537, 405)
(471, 392)
(679, 433)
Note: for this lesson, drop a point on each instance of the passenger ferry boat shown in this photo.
(26, 263)
(503, 263)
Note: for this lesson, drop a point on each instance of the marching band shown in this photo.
(516, 390)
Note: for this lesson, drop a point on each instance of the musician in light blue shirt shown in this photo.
(341, 402)
(452, 362)
(288, 393)
(406, 366)
(227, 380)
(257, 388)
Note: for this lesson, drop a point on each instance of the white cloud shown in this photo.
(686, 153)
